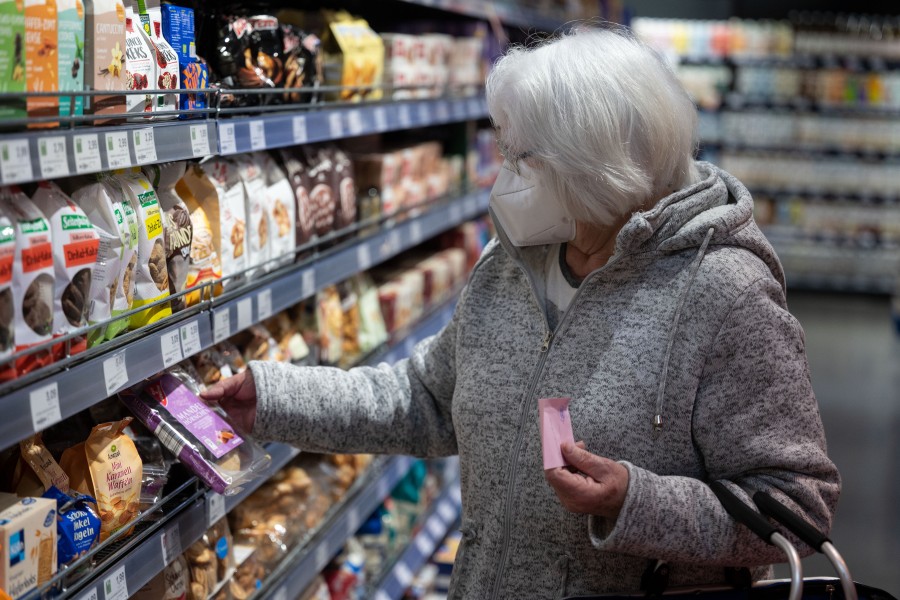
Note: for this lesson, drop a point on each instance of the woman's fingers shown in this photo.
(227, 388)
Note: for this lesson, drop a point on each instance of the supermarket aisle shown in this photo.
(855, 361)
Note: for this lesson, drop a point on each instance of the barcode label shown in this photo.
(169, 438)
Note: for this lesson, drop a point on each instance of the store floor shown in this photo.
(854, 357)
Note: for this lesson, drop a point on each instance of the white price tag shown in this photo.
(115, 587)
(200, 140)
(335, 125)
(257, 135)
(117, 155)
(45, 406)
(221, 324)
(424, 113)
(87, 153)
(355, 122)
(459, 110)
(227, 142)
(90, 595)
(170, 540)
(404, 115)
(404, 574)
(170, 345)
(394, 243)
(299, 125)
(190, 338)
(363, 257)
(443, 111)
(53, 157)
(455, 213)
(381, 121)
(144, 146)
(115, 373)
(15, 161)
(424, 545)
(447, 511)
(264, 304)
(323, 556)
(308, 283)
(435, 528)
(281, 594)
(245, 313)
(215, 508)
(415, 232)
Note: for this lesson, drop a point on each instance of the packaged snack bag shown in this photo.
(70, 30)
(330, 318)
(77, 525)
(179, 232)
(172, 584)
(166, 59)
(297, 171)
(204, 265)
(32, 283)
(104, 60)
(353, 57)
(41, 58)
(256, 200)
(322, 195)
(73, 462)
(75, 250)
(112, 280)
(372, 331)
(345, 187)
(151, 275)
(178, 30)
(302, 64)
(140, 65)
(282, 210)
(12, 58)
(7, 311)
(201, 436)
(28, 554)
(116, 473)
(39, 460)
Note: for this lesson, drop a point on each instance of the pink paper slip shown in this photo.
(556, 428)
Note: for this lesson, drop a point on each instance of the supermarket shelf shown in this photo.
(835, 152)
(123, 363)
(736, 101)
(507, 13)
(812, 194)
(823, 267)
(298, 569)
(276, 130)
(428, 327)
(796, 61)
(442, 516)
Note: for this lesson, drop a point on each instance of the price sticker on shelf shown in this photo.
(455, 213)
(257, 135)
(403, 573)
(117, 154)
(215, 508)
(474, 108)
(435, 527)
(87, 153)
(335, 125)
(53, 157)
(90, 595)
(394, 244)
(459, 110)
(424, 113)
(443, 111)
(144, 146)
(404, 115)
(308, 283)
(44, 403)
(447, 512)
(170, 346)
(221, 324)
(15, 161)
(244, 314)
(227, 141)
(115, 373)
(381, 120)
(424, 544)
(170, 541)
(355, 122)
(264, 304)
(363, 257)
(115, 587)
(299, 127)
(415, 232)
(190, 338)
(199, 141)
(471, 206)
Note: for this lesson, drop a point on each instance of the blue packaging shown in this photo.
(194, 76)
(77, 524)
(178, 29)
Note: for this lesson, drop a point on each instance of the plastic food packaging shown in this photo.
(42, 465)
(330, 318)
(345, 188)
(116, 472)
(12, 54)
(290, 341)
(210, 560)
(322, 194)
(232, 356)
(28, 529)
(70, 14)
(202, 437)
(7, 312)
(282, 210)
(77, 525)
(204, 265)
(259, 227)
(172, 583)
(140, 66)
(167, 69)
(40, 43)
(258, 344)
(297, 171)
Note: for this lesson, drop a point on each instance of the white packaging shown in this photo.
(140, 65)
(259, 228)
(166, 59)
(7, 326)
(27, 543)
(282, 208)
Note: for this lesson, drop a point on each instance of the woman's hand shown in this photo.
(598, 488)
(237, 395)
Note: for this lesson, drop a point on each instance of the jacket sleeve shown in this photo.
(403, 408)
(756, 424)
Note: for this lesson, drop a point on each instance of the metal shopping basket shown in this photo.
(841, 587)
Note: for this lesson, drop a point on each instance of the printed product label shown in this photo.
(71, 54)
(80, 253)
(39, 256)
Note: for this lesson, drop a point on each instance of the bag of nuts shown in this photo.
(116, 471)
(151, 274)
(75, 245)
(32, 283)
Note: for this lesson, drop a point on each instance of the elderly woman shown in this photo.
(626, 277)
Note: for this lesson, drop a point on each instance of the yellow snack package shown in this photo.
(116, 472)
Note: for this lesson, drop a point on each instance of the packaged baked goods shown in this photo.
(32, 283)
(70, 28)
(155, 465)
(248, 576)
(302, 67)
(330, 318)
(204, 265)
(7, 311)
(77, 524)
(202, 437)
(345, 186)
(28, 529)
(372, 331)
(172, 583)
(259, 227)
(12, 54)
(116, 473)
(167, 69)
(41, 463)
(232, 356)
(289, 339)
(297, 171)
(322, 193)
(263, 54)
(40, 59)
(353, 57)
(350, 323)
(177, 227)
(258, 344)
(140, 65)
(282, 209)
(73, 462)
(75, 250)
(151, 277)
(112, 278)
(215, 184)
(104, 56)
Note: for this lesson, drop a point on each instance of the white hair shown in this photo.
(607, 124)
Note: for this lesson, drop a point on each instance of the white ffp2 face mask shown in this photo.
(529, 214)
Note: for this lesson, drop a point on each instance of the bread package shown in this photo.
(40, 462)
(322, 194)
(75, 247)
(345, 186)
(7, 312)
(116, 472)
(177, 228)
(259, 227)
(205, 264)
(282, 208)
(330, 318)
(297, 171)
(32, 282)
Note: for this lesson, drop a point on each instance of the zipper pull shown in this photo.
(548, 337)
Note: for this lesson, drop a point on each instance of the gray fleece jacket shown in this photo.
(682, 362)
